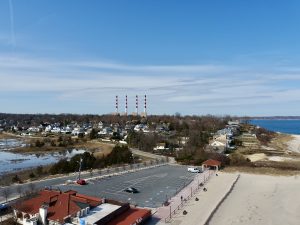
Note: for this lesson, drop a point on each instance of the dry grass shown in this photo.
(262, 170)
(280, 142)
(5, 135)
(278, 146)
(99, 148)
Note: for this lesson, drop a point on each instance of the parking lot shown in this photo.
(155, 185)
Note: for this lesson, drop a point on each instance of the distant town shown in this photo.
(125, 169)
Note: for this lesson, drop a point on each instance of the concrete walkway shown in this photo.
(199, 211)
(180, 199)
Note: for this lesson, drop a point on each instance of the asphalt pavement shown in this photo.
(155, 185)
(16, 189)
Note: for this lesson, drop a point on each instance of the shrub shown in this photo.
(16, 179)
(39, 143)
(237, 159)
(31, 175)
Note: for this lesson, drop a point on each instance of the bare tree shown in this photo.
(20, 190)
(6, 192)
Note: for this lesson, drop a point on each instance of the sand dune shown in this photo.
(294, 145)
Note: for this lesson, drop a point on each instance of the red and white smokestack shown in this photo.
(117, 104)
(126, 105)
(145, 104)
(136, 105)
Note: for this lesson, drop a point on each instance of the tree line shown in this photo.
(118, 155)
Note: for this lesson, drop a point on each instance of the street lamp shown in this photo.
(80, 162)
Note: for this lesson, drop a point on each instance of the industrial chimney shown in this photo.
(145, 105)
(126, 105)
(137, 105)
(117, 104)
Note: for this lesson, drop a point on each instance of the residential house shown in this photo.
(161, 147)
(218, 146)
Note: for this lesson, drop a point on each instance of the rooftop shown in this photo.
(211, 162)
(61, 204)
(100, 212)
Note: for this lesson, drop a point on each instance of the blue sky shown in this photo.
(193, 57)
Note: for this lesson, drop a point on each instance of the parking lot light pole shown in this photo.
(132, 158)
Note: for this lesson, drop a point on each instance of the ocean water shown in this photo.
(282, 126)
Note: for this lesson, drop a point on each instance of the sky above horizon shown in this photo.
(192, 57)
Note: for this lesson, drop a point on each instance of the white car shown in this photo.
(194, 170)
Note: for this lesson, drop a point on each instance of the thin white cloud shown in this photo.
(174, 87)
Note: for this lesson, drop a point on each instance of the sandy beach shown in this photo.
(294, 145)
(261, 199)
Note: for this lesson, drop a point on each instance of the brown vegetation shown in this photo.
(264, 136)
(261, 170)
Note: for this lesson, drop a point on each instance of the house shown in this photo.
(55, 130)
(106, 131)
(48, 128)
(77, 131)
(183, 140)
(218, 146)
(138, 127)
(100, 125)
(160, 147)
(33, 129)
(54, 207)
(66, 130)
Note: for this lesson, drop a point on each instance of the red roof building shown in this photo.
(211, 163)
(56, 207)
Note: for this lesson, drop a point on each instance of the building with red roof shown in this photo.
(211, 163)
(54, 207)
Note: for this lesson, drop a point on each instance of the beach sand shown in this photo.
(261, 200)
(294, 144)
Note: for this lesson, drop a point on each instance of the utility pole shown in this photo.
(80, 162)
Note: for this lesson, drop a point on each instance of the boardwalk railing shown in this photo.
(190, 190)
